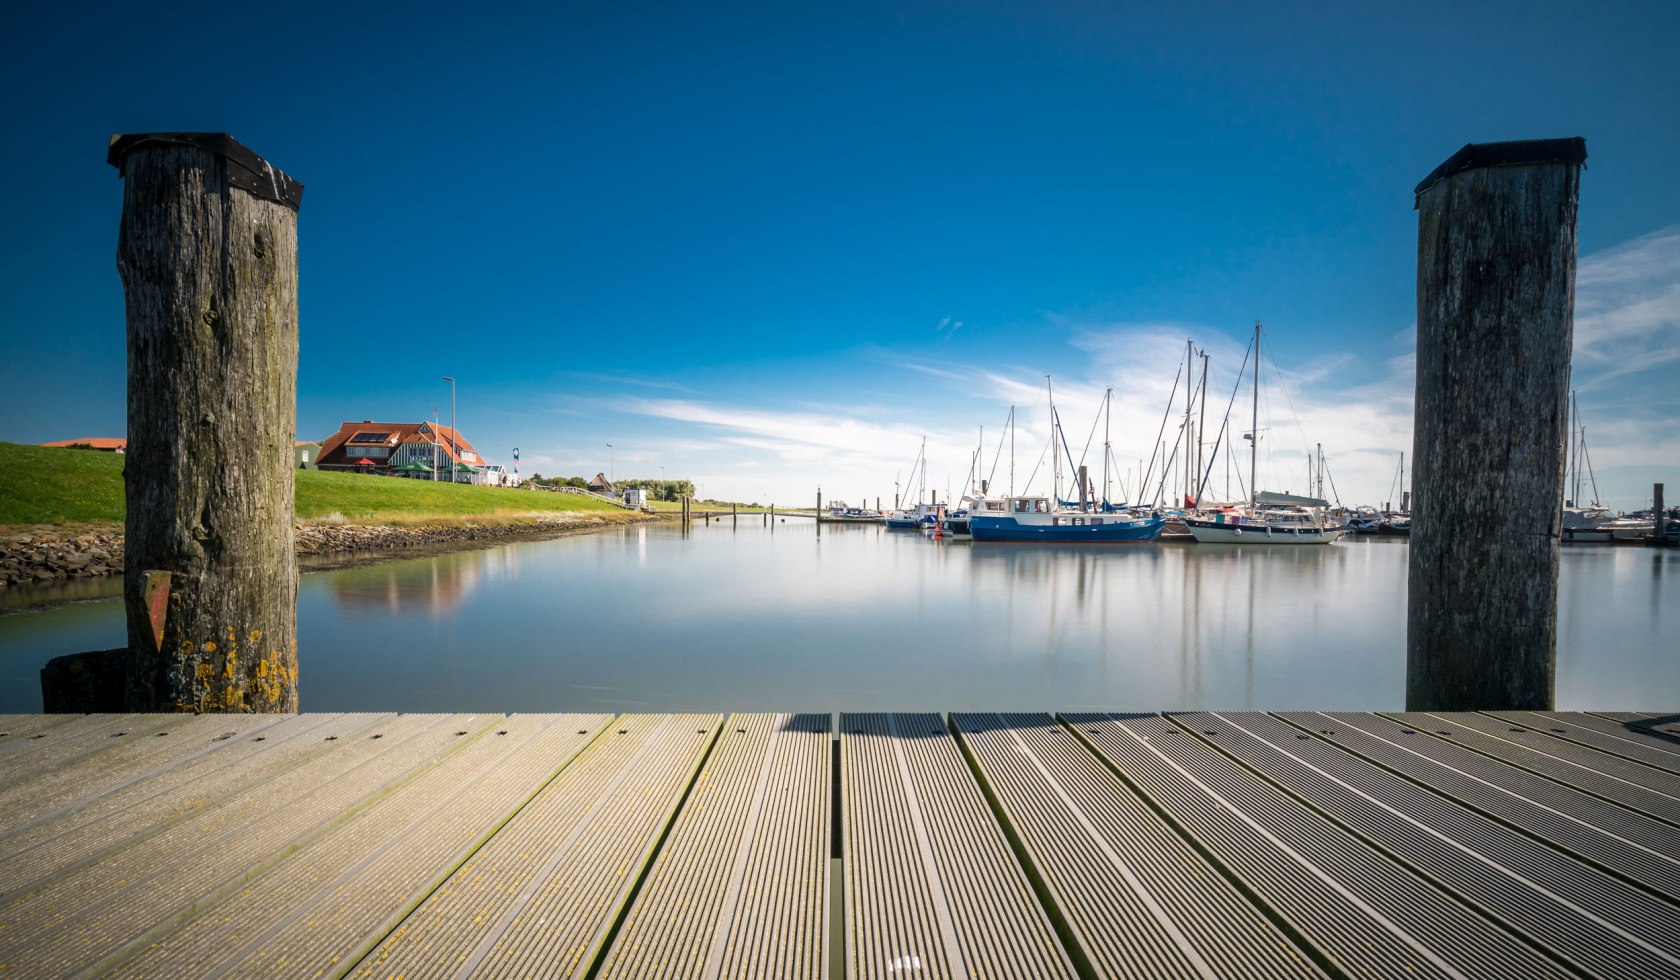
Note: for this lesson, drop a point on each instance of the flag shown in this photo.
(516, 459)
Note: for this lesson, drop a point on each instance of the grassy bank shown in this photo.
(78, 487)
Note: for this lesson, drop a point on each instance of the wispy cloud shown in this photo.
(623, 379)
(948, 326)
(1627, 306)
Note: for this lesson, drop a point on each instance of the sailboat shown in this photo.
(1269, 518)
(1029, 518)
(921, 515)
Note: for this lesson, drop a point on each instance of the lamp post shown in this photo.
(454, 433)
(612, 473)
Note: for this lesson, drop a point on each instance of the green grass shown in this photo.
(59, 486)
(77, 486)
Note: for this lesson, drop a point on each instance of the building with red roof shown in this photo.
(402, 447)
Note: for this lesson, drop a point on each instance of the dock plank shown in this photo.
(1361, 911)
(635, 847)
(1137, 899)
(352, 883)
(917, 828)
(1577, 914)
(740, 888)
(1600, 773)
(127, 759)
(95, 910)
(541, 896)
(59, 745)
(1640, 849)
(57, 843)
(1658, 751)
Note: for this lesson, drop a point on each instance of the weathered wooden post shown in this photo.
(1659, 517)
(1495, 294)
(208, 257)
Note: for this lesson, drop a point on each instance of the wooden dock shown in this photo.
(1199, 845)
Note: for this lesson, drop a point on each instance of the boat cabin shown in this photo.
(1027, 505)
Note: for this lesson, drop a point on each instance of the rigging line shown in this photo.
(1065, 450)
(1164, 415)
(1225, 427)
(1093, 434)
(1028, 485)
(1325, 469)
(1277, 373)
(1008, 426)
(1161, 489)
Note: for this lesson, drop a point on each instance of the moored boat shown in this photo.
(1268, 518)
(1034, 519)
(1273, 518)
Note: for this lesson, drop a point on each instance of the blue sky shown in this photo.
(771, 246)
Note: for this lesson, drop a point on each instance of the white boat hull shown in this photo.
(1211, 532)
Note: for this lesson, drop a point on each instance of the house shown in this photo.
(306, 454)
(416, 449)
(602, 485)
(107, 444)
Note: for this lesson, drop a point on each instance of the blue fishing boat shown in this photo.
(1034, 519)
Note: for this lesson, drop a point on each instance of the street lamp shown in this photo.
(612, 471)
(454, 433)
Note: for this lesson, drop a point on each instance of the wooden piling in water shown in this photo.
(208, 257)
(1659, 518)
(1496, 289)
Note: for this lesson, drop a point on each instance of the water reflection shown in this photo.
(768, 616)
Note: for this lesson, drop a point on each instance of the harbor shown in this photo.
(860, 845)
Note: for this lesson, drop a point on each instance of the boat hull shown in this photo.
(1009, 529)
(1214, 532)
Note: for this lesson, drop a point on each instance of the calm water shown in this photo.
(755, 618)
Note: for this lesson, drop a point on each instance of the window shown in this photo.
(1040, 507)
(369, 452)
(375, 437)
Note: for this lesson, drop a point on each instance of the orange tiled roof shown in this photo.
(399, 433)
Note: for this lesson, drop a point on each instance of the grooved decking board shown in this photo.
(1601, 734)
(1138, 900)
(357, 879)
(740, 888)
(1575, 913)
(60, 745)
(1599, 773)
(19, 728)
(125, 759)
(1660, 730)
(1364, 913)
(60, 840)
(93, 911)
(540, 897)
(483, 845)
(932, 888)
(1641, 849)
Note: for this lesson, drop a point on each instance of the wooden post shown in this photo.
(1496, 292)
(208, 257)
(1659, 519)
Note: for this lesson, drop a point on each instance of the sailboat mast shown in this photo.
(1055, 454)
(1012, 450)
(1108, 405)
(1201, 431)
(1254, 427)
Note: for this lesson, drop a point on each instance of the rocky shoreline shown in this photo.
(44, 557)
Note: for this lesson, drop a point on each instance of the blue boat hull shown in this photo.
(1008, 529)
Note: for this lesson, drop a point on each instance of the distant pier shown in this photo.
(969, 845)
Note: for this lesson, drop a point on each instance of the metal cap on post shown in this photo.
(1495, 294)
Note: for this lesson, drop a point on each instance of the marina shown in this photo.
(752, 615)
(867, 845)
